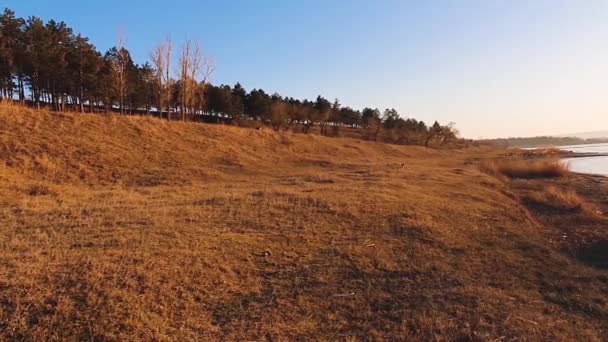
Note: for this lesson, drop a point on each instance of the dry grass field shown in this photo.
(133, 228)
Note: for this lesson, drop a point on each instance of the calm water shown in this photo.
(593, 165)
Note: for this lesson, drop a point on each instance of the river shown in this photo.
(592, 165)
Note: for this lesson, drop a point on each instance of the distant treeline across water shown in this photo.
(544, 141)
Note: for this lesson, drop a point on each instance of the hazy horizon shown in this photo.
(495, 69)
(581, 135)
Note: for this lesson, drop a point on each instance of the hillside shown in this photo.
(134, 228)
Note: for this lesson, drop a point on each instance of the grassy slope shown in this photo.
(127, 227)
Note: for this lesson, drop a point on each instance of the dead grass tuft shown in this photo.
(39, 190)
(541, 152)
(550, 151)
(285, 139)
(320, 179)
(526, 169)
(557, 199)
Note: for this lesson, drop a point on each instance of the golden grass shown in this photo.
(550, 151)
(133, 228)
(526, 168)
(561, 200)
(542, 152)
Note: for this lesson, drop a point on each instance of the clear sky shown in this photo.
(496, 68)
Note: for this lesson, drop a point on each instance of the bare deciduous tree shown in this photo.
(193, 64)
(184, 72)
(161, 58)
(207, 69)
(119, 71)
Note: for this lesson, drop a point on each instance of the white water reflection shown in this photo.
(592, 165)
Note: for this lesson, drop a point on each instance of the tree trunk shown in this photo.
(428, 140)
(21, 90)
(80, 99)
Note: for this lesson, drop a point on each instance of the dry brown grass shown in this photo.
(550, 151)
(526, 169)
(132, 228)
(562, 200)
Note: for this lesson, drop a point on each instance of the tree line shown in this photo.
(46, 64)
(543, 141)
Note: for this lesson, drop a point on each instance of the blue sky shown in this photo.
(495, 68)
